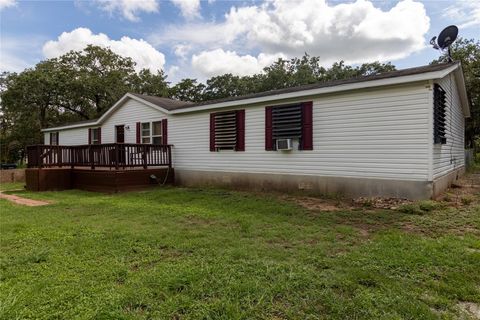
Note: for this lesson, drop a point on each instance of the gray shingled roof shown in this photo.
(379, 76)
(165, 103)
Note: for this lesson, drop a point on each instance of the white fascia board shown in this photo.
(72, 126)
(462, 90)
(318, 91)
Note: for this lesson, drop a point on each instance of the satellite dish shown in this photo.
(447, 36)
(445, 40)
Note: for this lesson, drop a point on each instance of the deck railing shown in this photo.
(111, 155)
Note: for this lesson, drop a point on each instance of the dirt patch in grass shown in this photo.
(196, 220)
(464, 192)
(342, 204)
(380, 203)
(470, 308)
(23, 201)
(319, 204)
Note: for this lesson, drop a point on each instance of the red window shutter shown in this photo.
(138, 132)
(89, 136)
(307, 126)
(212, 131)
(240, 130)
(165, 131)
(268, 129)
(99, 135)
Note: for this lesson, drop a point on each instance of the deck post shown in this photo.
(169, 149)
(90, 155)
(60, 156)
(39, 157)
(72, 158)
(144, 156)
(116, 156)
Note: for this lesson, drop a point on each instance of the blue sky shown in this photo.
(199, 39)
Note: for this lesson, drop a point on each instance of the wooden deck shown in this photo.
(105, 167)
(112, 156)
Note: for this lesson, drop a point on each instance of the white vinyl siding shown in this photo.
(69, 137)
(129, 114)
(381, 133)
(450, 156)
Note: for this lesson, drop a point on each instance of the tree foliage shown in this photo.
(187, 90)
(281, 74)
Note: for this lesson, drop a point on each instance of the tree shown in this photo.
(308, 70)
(92, 80)
(228, 85)
(146, 82)
(188, 90)
(467, 51)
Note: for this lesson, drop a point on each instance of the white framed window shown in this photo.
(146, 132)
(151, 132)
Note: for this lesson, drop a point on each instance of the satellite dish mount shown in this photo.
(445, 40)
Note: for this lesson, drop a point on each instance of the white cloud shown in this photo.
(190, 8)
(19, 52)
(172, 71)
(12, 63)
(140, 51)
(355, 32)
(217, 62)
(181, 50)
(128, 8)
(466, 12)
(7, 3)
(194, 34)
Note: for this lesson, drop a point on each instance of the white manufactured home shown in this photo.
(398, 134)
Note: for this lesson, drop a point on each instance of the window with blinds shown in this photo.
(439, 114)
(226, 130)
(293, 121)
(287, 122)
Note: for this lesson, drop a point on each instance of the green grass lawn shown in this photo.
(174, 253)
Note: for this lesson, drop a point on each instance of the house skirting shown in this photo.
(46, 179)
(440, 184)
(351, 187)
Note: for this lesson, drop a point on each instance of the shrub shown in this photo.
(419, 208)
(428, 205)
(411, 209)
(466, 200)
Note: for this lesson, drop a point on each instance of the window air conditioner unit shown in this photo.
(284, 144)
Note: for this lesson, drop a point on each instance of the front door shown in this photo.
(120, 138)
(120, 134)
